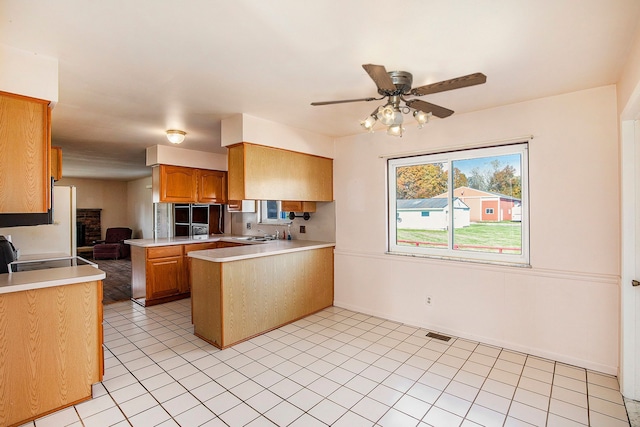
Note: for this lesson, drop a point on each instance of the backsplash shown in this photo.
(320, 227)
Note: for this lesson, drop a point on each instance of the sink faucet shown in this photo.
(277, 235)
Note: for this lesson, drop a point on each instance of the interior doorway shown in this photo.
(630, 295)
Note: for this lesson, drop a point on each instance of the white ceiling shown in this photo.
(130, 69)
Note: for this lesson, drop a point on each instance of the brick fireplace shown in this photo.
(88, 226)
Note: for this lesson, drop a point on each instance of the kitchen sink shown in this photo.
(255, 238)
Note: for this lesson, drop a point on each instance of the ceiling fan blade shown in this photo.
(428, 107)
(342, 101)
(457, 83)
(380, 77)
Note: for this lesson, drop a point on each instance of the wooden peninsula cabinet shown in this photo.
(179, 184)
(25, 144)
(251, 291)
(257, 172)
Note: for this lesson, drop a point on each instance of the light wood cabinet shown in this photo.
(297, 206)
(212, 186)
(56, 163)
(50, 349)
(265, 173)
(179, 184)
(25, 143)
(237, 300)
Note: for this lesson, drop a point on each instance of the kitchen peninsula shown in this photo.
(238, 293)
(50, 340)
(239, 287)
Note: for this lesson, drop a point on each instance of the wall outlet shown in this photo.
(303, 229)
(428, 301)
(248, 226)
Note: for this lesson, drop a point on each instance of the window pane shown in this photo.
(466, 204)
(487, 203)
(272, 209)
(421, 205)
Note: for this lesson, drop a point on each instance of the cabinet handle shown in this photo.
(635, 283)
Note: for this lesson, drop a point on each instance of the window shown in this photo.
(477, 212)
(270, 212)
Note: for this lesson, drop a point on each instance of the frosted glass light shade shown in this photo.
(421, 117)
(395, 130)
(175, 136)
(388, 115)
(367, 124)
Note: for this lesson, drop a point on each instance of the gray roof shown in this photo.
(433, 203)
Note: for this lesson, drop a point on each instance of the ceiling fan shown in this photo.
(395, 86)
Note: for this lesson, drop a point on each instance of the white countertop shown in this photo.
(274, 247)
(26, 280)
(167, 241)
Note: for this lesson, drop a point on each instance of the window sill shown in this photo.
(460, 259)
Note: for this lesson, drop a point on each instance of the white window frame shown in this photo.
(263, 217)
(393, 164)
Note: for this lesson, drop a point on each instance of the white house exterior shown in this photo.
(431, 214)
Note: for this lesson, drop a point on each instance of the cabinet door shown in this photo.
(165, 277)
(25, 183)
(177, 184)
(212, 186)
(295, 206)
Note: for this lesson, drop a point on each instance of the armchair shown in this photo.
(113, 246)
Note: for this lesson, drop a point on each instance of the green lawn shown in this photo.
(492, 234)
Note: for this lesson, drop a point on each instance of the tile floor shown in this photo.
(338, 368)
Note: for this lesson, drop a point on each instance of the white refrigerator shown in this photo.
(50, 240)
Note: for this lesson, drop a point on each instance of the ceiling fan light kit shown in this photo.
(395, 85)
(176, 136)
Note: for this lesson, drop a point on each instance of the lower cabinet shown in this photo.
(50, 349)
(166, 276)
(163, 273)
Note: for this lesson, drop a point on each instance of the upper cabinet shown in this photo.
(56, 163)
(212, 186)
(298, 206)
(257, 172)
(178, 184)
(25, 144)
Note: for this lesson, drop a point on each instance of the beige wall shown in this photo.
(566, 306)
(108, 195)
(140, 208)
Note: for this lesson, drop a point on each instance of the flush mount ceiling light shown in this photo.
(395, 85)
(175, 136)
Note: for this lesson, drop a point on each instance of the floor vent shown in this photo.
(438, 336)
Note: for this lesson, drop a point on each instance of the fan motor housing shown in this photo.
(402, 80)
